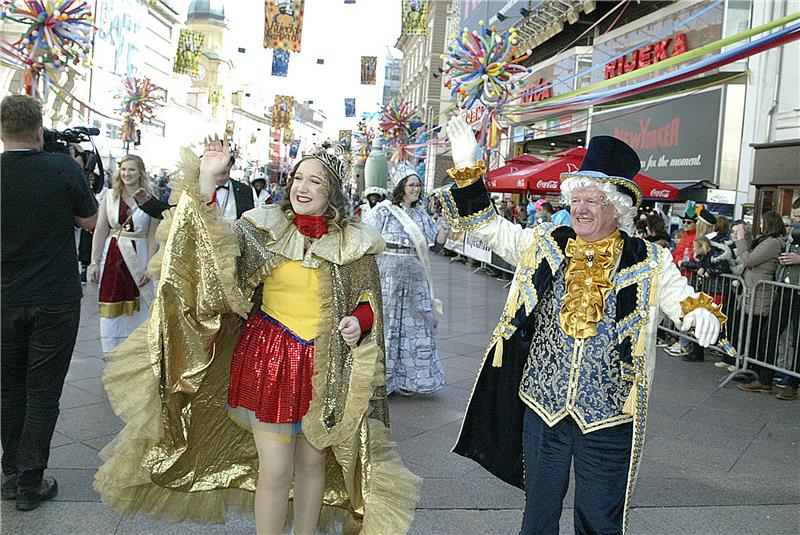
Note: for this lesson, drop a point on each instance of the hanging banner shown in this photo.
(280, 62)
(187, 58)
(349, 107)
(369, 67)
(283, 24)
(415, 17)
(293, 148)
(345, 138)
(287, 136)
(282, 111)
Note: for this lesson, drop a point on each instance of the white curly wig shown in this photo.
(623, 203)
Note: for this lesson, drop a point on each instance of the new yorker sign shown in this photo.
(676, 139)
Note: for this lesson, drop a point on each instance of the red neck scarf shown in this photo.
(313, 226)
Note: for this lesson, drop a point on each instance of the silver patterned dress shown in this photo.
(409, 317)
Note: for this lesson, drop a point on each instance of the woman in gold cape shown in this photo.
(179, 456)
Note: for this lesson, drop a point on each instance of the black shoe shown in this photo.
(10, 487)
(29, 499)
(693, 357)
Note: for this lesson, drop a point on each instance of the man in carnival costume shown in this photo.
(290, 405)
(568, 369)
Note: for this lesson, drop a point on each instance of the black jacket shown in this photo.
(244, 197)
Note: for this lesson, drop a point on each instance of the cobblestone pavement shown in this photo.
(717, 461)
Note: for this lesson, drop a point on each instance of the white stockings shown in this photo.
(277, 462)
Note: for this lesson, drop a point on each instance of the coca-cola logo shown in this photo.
(659, 193)
(547, 184)
(520, 182)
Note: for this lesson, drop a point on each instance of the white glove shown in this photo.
(350, 330)
(463, 146)
(706, 326)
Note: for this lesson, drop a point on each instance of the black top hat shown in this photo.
(609, 159)
(707, 217)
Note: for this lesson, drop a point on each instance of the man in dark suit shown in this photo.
(233, 197)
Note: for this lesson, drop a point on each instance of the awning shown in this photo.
(545, 178)
(777, 163)
(511, 177)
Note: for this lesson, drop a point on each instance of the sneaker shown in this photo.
(677, 352)
(662, 343)
(787, 394)
(10, 487)
(720, 364)
(783, 382)
(755, 386)
(674, 347)
(731, 368)
(29, 499)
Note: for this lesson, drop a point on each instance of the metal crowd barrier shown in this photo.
(773, 339)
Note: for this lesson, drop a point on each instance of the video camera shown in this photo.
(60, 141)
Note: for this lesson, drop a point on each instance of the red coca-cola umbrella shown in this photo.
(545, 178)
(511, 177)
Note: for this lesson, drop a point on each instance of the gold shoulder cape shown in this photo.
(179, 456)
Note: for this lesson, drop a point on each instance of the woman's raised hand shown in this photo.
(216, 155)
(462, 142)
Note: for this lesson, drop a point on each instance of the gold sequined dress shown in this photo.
(179, 456)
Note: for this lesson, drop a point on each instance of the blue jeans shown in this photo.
(601, 461)
(37, 344)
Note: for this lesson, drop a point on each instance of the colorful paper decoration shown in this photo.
(280, 62)
(58, 32)
(363, 136)
(138, 102)
(283, 24)
(415, 17)
(190, 48)
(282, 111)
(369, 67)
(483, 65)
(396, 123)
(349, 107)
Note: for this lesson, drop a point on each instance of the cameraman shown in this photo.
(44, 195)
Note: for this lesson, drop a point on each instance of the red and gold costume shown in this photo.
(181, 455)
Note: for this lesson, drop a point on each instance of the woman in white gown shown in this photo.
(123, 243)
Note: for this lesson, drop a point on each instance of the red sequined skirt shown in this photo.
(271, 371)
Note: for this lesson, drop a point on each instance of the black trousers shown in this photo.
(601, 459)
(37, 344)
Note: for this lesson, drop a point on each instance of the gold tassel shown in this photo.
(497, 361)
(630, 403)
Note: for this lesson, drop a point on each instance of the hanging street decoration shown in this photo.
(282, 111)
(190, 48)
(58, 33)
(369, 67)
(280, 62)
(415, 17)
(283, 24)
(138, 101)
(349, 107)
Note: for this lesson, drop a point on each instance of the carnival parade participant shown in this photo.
(373, 196)
(568, 369)
(261, 195)
(233, 197)
(289, 405)
(409, 305)
(123, 243)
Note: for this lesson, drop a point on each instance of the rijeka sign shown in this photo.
(647, 55)
(547, 184)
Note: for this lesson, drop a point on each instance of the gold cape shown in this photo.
(179, 456)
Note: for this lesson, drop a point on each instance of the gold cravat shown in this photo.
(588, 281)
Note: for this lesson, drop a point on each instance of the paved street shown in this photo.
(716, 461)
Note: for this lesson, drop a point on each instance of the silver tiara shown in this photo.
(332, 157)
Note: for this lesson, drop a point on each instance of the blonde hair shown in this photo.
(703, 229)
(702, 246)
(116, 181)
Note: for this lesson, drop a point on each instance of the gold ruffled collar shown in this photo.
(588, 281)
(337, 247)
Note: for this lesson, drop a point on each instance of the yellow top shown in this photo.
(291, 296)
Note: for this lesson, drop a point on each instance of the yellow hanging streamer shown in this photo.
(497, 361)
